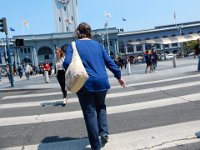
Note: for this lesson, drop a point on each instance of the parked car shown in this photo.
(169, 56)
(191, 54)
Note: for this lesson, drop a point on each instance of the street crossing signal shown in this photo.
(3, 25)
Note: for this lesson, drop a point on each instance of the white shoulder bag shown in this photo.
(76, 75)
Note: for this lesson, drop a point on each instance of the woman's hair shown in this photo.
(83, 31)
(60, 51)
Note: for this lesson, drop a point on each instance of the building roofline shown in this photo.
(164, 28)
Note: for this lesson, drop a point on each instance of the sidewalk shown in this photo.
(37, 82)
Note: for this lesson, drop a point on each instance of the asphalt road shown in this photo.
(155, 111)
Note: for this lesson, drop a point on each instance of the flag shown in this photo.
(174, 15)
(25, 23)
(11, 29)
(68, 21)
(124, 19)
(106, 14)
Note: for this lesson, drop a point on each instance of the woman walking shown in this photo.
(60, 73)
(92, 95)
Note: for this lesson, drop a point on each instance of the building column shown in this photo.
(134, 49)
(116, 48)
(126, 49)
(35, 58)
(143, 48)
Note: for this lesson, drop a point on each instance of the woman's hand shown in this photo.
(122, 82)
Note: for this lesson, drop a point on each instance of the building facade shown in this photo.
(38, 49)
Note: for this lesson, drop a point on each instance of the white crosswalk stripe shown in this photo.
(151, 138)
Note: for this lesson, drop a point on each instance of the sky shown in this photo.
(139, 14)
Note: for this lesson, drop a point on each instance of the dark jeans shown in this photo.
(61, 80)
(95, 115)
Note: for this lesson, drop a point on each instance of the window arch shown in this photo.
(45, 54)
(45, 51)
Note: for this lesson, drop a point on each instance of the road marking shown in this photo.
(158, 81)
(109, 95)
(147, 139)
(111, 110)
(113, 87)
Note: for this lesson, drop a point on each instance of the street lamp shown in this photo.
(8, 57)
(180, 33)
(106, 27)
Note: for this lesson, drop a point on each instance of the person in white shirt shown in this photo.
(60, 73)
(27, 71)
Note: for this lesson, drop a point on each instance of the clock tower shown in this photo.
(66, 15)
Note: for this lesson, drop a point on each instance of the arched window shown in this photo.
(45, 54)
(44, 50)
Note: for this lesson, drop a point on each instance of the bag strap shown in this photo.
(74, 46)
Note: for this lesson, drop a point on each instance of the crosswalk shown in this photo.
(148, 115)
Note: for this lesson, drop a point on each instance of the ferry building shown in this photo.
(40, 48)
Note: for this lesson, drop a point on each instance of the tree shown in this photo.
(189, 46)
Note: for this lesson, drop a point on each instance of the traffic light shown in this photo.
(19, 42)
(3, 25)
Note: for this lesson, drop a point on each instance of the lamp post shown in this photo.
(180, 33)
(8, 58)
(107, 37)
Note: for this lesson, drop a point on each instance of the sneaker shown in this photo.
(104, 140)
(65, 100)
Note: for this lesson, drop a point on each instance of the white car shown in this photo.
(169, 56)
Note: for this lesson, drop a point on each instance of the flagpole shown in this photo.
(106, 26)
(22, 28)
(175, 18)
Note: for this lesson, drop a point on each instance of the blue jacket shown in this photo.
(94, 58)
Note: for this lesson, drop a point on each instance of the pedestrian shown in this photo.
(8, 72)
(27, 71)
(47, 67)
(0, 73)
(197, 53)
(60, 73)
(154, 59)
(20, 71)
(92, 95)
(148, 61)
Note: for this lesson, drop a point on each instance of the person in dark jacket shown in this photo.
(154, 60)
(148, 60)
(92, 95)
(197, 53)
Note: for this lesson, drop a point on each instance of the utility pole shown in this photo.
(3, 28)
